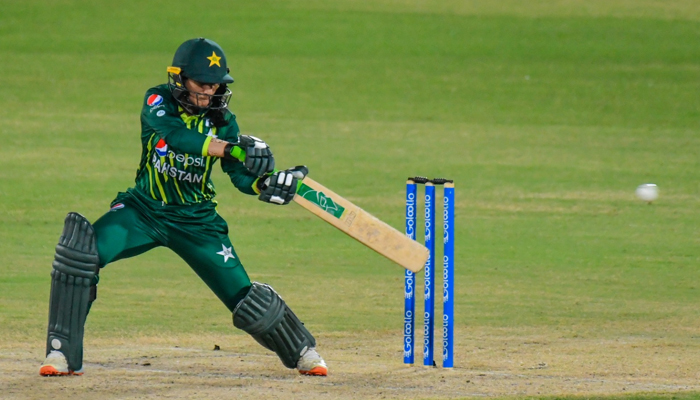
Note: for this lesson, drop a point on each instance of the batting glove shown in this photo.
(281, 186)
(258, 156)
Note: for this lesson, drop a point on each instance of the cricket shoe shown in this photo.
(57, 365)
(311, 363)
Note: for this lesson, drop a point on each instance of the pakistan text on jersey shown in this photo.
(165, 168)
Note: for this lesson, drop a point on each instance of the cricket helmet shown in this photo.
(201, 60)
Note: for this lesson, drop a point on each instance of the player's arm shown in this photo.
(164, 118)
(234, 166)
(278, 187)
(241, 178)
(253, 152)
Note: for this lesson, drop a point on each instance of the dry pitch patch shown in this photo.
(496, 363)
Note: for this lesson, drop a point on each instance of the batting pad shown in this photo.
(74, 267)
(265, 316)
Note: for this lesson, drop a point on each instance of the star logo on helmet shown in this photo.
(214, 59)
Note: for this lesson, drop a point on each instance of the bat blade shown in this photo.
(361, 225)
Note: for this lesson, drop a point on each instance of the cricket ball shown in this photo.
(647, 192)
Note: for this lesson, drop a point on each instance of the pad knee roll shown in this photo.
(74, 267)
(265, 316)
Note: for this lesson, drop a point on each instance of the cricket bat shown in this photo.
(357, 223)
(361, 225)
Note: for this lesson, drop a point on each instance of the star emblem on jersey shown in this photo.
(214, 59)
(227, 252)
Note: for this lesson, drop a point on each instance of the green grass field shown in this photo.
(547, 114)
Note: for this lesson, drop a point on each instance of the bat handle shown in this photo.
(239, 154)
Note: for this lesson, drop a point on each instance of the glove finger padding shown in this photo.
(252, 159)
(299, 172)
(269, 163)
(279, 188)
(262, 161)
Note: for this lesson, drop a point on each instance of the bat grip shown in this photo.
(239, 153)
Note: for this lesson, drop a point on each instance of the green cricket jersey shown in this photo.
(174, 166)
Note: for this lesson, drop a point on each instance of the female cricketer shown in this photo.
(185, 128)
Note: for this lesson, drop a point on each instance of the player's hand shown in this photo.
(258, 156)
(281, 186)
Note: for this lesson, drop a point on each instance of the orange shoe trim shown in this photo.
(50, 370)
(318, 371)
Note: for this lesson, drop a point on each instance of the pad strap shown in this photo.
(265, 316)
(74, 268)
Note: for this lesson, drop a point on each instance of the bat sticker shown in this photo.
(321, 200)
